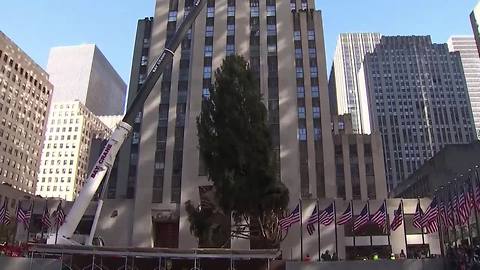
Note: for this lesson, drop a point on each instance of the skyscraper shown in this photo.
(471, 68)
(283, 41)
(348, 58)
(25, 97)
(475, 21)
(83, 73)
(418, 100)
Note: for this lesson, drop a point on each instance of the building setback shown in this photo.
(359, 165)
(25, 95)
(418, 100)
(83, 73)
(69, 149)
(349, 53)
(471, 68)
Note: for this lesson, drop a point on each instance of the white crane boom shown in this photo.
(105, 162)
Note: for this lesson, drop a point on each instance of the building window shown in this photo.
(230, 30)
(254, 11)
(302, 134)
(208, 51)
(271, 11)
(210, 12)
(315, 91)
(316, 112)
(311, 35)
(313, 72)
(172, 16)
(271, 30)
(206, 93)
(231, 11)
(299, 71)
(207, 72)
(297, 35)
(230, 49)
(300, 92)
(301, 112)
(317, 134)
(209, 31)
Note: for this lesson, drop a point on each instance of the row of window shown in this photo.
(27, 75)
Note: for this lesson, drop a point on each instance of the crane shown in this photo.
(107, 157)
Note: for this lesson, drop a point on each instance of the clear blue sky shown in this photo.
(37, 25)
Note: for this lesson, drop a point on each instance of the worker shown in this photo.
(392, 256)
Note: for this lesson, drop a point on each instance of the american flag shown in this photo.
(456, 216)
(450, 214)
(432, 227)
(326, 217)
(431, 214)
(417, 218)
(397, 218)
(46, 217)
(59, 215)
(287, 222)
(362, 219)
(462, 208)
(4, 215)
(380, 217)
(312, 220)
(23, 216)
(477, 192)
(443, 213)
(347, 216)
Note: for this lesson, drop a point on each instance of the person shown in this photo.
(307, 258)
(327, 257)
(335, 256)
(402, 254)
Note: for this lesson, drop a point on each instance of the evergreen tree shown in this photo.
(236, 147)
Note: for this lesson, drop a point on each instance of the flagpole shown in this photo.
(387, 224)
(454, 213)
(30, 220)
(468, 218)
(458, 205)
(318, 229)
(445, 218)
(404, 228)
(301, 230)
(335, 220)
(368, 212)
(353, 222)
(56, 221)
(421, 223)
(476, 199)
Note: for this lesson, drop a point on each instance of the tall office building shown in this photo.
(343, 85)
(471, 68)
(283, 41)
(475, 21)
(68, 152)
(83, 73)
(25, 96)
(418, 100)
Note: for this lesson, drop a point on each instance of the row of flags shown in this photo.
(24, 215)
(427, 220)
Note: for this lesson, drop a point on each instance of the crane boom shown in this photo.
(119, 135)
